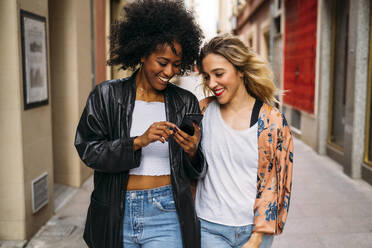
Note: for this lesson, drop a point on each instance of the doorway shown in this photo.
(338, 76)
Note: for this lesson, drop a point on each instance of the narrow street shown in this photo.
(328, 209)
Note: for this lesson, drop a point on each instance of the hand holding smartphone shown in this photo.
(188, 120)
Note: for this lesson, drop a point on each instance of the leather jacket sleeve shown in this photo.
(197, 168)
(93, 143)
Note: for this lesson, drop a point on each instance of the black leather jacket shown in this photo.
(104, 144)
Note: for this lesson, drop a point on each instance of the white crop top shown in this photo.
(155, 156)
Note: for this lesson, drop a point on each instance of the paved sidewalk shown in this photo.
(65, 229)
(328, 210)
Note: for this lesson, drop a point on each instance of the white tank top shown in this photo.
(227, 194)
(155, 156)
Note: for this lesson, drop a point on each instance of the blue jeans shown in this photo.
(221, 236)
(151, 220)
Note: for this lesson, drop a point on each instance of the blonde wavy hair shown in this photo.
(257, 75)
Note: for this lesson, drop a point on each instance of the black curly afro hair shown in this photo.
(150, 23)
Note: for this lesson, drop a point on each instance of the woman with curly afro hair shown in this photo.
(128, 133)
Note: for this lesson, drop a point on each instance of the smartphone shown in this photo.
(187, 121)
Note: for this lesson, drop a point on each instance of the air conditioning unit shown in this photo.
(39, 187)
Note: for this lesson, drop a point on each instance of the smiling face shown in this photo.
(160, 66)
(225, 81)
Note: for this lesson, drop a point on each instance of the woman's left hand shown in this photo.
(187, 142)
(254, 241)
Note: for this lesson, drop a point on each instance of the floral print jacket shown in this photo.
(274, 174)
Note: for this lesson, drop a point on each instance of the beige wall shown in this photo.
(12, 204)
(84, 77)
(27, 152)
(37, 141)
(248, 34)
(308, 129)
(71, 63)
(252, 21)
(31, 145)
(265, 44)
(225, 15)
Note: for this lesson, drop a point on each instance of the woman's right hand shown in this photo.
(254, 241)
(158, 131)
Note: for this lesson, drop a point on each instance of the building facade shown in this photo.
(253, 26)
(320, 52)
(37, 151)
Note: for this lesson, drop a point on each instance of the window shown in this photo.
(266, 45)
(250, 42)
(279, 4)
(277, 24)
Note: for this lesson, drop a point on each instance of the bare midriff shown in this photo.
(138, 182)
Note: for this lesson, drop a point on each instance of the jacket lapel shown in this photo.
(174, 106)
(126, 102)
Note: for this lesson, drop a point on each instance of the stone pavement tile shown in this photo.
(314, 225)
(78, 205)
(328, 209)
(62, 195)
(82, 196)
(365, 239)
(61, 219)
(364, 187)
(75, 209)
(295, 211)
(325, 196)
(297, 241)
(346, 240)
(358, 224)
(322, 173)
(356, 196)
(65, 229)
(12, 244)
(88, 184)
(324, 183)
(319, 210)
(356, 209)
(335, 210)
(61, 236)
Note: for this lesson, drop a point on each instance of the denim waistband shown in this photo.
(149, 193)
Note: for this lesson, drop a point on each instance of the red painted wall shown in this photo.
(300, 53)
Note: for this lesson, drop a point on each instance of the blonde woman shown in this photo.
(243, 200)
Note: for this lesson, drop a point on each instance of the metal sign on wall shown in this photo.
(300, 54)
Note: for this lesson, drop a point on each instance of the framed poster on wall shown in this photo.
(34, 60)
